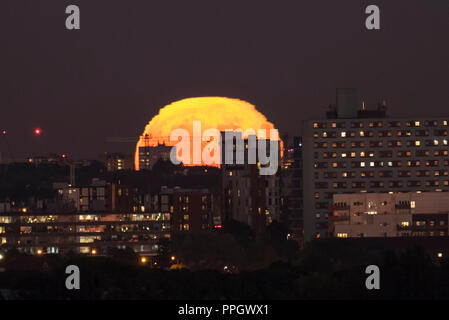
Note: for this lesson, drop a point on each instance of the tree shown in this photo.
(126, 255)
(241, 231)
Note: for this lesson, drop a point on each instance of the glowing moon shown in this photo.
(213, 112)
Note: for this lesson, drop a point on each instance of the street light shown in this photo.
(94, 252)
(39, 251)
(143, 260)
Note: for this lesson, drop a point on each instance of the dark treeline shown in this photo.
(323, 270)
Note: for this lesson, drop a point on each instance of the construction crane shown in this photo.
(146, 138)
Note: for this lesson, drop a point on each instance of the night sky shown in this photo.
(130, 58)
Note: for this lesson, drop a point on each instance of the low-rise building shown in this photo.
(149, 155)
(390, 214)
(118, 161)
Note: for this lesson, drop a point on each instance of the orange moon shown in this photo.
(214, 112)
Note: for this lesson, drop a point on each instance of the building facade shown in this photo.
(118, 161)
(291, 189)
(149, 155)
(248, 196)
(93, 232)
(355, 151)
(411, 214)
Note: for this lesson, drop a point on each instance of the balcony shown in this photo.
(425, 227)
(402, 206)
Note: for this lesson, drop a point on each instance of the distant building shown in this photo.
(353, 151)
(87, 219)
(67, 198)
(249, 197)
(53, 158)
(118, 161)
(390, 215)
(91, 233)
(291, 188)
(91, 197)
(190, 208)
(149, 155)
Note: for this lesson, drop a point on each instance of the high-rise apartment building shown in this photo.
(291, 188)
(353, 151)
(248, 196)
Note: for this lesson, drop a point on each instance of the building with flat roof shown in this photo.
(118, 161)
(411, 214)
(87, 232)
(149, 155)
(291, 189)
(352, 152)
(248, 196)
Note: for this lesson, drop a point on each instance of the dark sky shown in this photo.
(132, 57)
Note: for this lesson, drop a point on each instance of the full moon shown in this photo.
(214, 112)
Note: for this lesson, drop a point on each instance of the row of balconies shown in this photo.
(421, 228)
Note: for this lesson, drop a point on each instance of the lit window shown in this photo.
(412, 204)
(417, 143)
(343, 134)
(342, 235)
